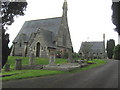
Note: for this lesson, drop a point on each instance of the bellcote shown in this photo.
(65, 8)
(65, 5)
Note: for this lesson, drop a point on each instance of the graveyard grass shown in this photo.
(30, 74)
(20, 74)
(25, 61)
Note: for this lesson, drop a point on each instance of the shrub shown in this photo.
(65, 55)
(75, 55)
(117, 52)
(58, 54)
(90, 62)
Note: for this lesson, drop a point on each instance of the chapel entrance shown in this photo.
(38, 50)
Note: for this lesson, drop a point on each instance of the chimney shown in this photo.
(104, 37)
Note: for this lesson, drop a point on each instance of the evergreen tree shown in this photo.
(115, 15)
(110, 47)
(117, 52)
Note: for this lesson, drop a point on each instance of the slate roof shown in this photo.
(50, 24)
(97, 47)
(48, 37)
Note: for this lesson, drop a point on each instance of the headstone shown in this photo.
(18, 64)
(31, 59)
(7, 67)
(52, 60)
(70, 59)
(52, 57)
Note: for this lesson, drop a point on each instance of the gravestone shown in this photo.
(70, 58)
(52, 60)
(7, 67)
(18, 64)
(52, 57)
(31, 59)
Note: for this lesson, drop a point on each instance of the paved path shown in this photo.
(105, 76)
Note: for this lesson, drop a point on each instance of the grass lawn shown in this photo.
(38, 73)
(25, 61)
(29, 74)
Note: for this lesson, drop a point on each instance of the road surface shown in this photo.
(105, 76)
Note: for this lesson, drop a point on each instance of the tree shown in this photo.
(75, 55)
(117, 52)
(110, 47)
(115, 15)
(8, 11)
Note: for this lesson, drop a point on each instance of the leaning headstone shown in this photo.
(31, 59)
(7, 67)
(18, 64)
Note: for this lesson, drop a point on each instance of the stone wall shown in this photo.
(63, 37)
(43, 52)
(18, 50)
(20, 46)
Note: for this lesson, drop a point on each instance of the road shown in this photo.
(105, 76)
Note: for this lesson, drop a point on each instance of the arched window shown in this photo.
(38, 49)
(20, 44)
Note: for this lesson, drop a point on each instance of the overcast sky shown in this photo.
(87, 19)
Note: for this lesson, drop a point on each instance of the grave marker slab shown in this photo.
(7, 67)
(31, 59)
(18, 64)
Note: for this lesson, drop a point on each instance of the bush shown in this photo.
(60, 55)
(75, 55)
(117, 52)
(65, 55)
(90, 62)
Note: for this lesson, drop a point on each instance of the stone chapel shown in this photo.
(39, 36)
(96, 49)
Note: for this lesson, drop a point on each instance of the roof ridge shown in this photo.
(93, 41)
(43, 19)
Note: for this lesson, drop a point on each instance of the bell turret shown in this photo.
(65, 8)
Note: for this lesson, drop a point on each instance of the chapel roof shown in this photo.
(97, 47)
(29, 27)
(48, 38)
